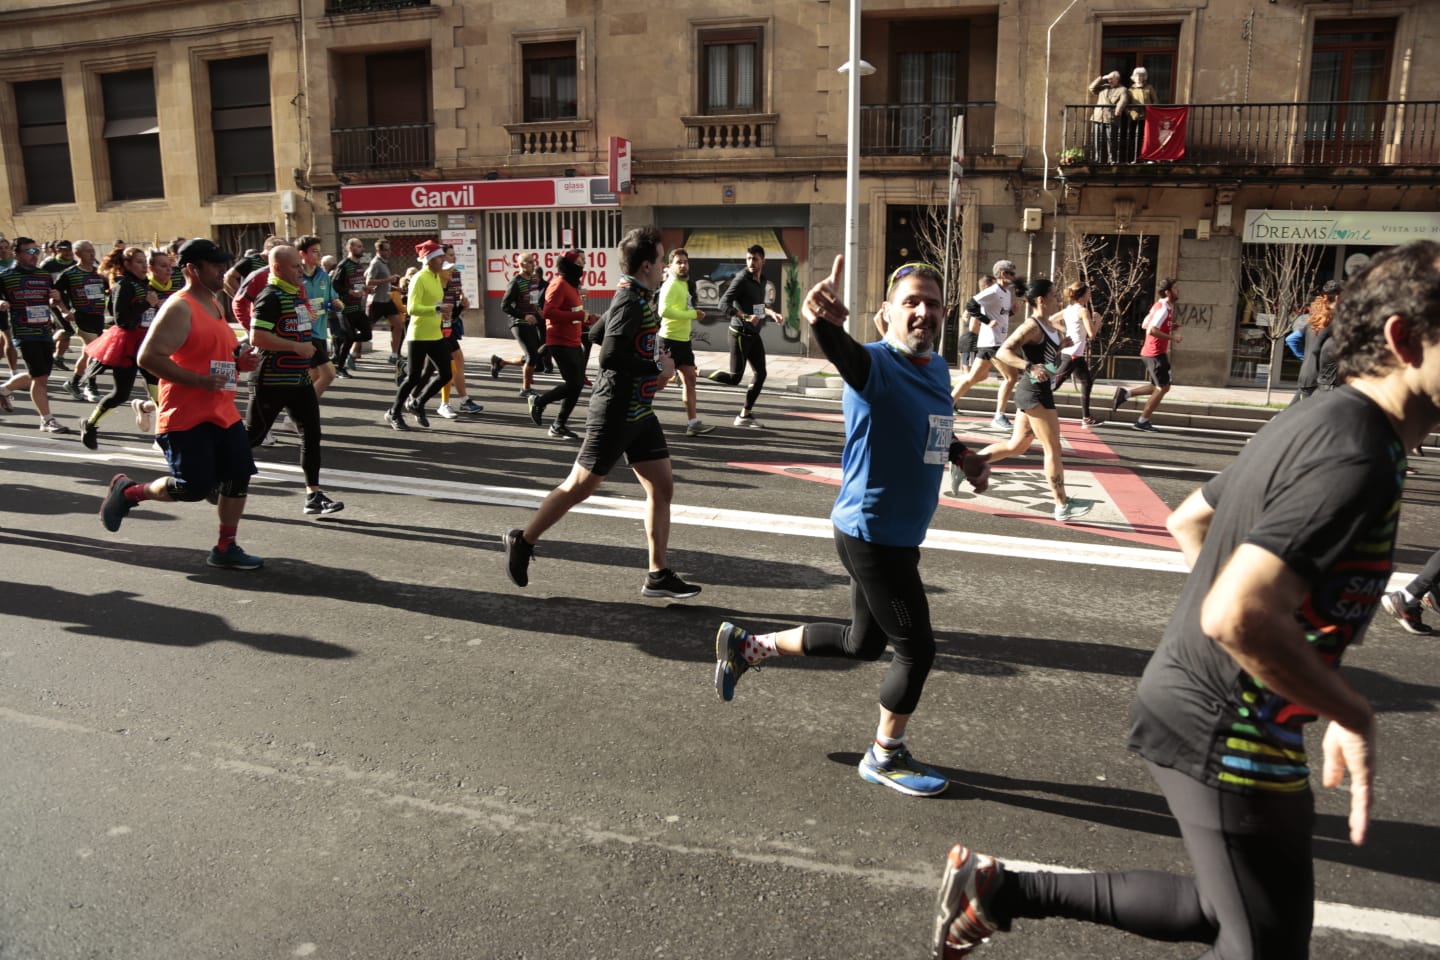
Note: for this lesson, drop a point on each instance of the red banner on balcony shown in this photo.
(1164, 133)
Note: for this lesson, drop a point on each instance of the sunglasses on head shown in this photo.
(905, 270)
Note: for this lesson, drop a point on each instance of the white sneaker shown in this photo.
(269, 440)
(446, 411)
(744, 421)
(51, 425)
(698, 429)
(144, 415)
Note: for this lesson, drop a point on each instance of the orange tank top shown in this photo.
(209, 349)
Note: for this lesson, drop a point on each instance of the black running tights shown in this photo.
(304, 409)
(421, 354)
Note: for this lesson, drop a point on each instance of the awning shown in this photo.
(731, 244)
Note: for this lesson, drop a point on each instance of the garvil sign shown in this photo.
(476, 195)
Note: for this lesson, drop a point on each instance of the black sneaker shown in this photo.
(319, 505)
(518, 552)
(537, 410)
(89, 434)
(558, 431)
(1145, 425)
(666, 584)
(72, 388)
(1121, 395)
(396, 421)
(115, 506)
(59, 364)
(1407, 615)
(496, 365)
(342, 374)
(233, 558)
(417, 411)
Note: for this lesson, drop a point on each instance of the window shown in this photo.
(240, 118)
(1154, 46)
(132, 135)
(730, 71)
(1350, 64)
(44, 146)
(550, 87)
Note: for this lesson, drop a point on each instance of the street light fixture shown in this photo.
(854, 69)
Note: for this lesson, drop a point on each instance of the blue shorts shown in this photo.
(207, 455)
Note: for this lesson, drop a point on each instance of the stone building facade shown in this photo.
(491, 122)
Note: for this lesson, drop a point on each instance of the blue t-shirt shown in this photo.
(897, 442)
(319, 291)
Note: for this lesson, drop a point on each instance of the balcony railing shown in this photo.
(406, 146)
(923, 129)
(730, 132)
(549, 138)
(1330, 133)
(336, 7)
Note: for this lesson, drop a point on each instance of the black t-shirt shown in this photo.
(1319, 487)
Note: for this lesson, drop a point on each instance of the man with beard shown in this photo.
(193, 351)
(677, 313)
(1160, 332)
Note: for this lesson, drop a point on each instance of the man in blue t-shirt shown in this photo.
(898, 440)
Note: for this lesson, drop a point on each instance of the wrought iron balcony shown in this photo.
(337, 7)
(407, 146)
(923, 129)
(1329, 133)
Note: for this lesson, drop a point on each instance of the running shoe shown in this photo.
(1121, 395)
(527, 393)
(446, 411)
(417, 411)
(51, 425)
(667, 584)
(319, 505)
(1431, 602)
(1074, 509)
(5, 403)
(72, 388)
(902, 773)
(744, 421)
(1144, 425)
(518, 553)
(59, 364)
(537, 410)
(342, 374)
(393, 359)
(1089, 422)
(89, 435)
(1001, 422)
(698, 429)
(730, 666)
(1405, 614)
(496, 365)
(233, 558)
(963, 918)
(350, 363)
(144, 416)
(88, 391)
(115, 506)
(470, 406)
(396, 421)
(558, 431)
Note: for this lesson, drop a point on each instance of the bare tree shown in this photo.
(1277, 277)
(930, 235)
(1120, 277)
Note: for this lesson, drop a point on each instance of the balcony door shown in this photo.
(1349, 77)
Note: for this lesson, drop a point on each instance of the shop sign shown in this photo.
(1339, 227)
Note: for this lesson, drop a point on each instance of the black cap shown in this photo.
(62, 245)
(201, 250)
(1331, 288)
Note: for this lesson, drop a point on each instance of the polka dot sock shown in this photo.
(758, 648)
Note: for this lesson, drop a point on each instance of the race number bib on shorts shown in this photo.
(226, 369)
(937, 441)
(147, 318)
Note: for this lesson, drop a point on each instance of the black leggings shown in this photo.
(1424, 581)
(419, 353)
(887, 606)
(745, 348)
(1081, 369)
(304, 409)
(119, 394)
(571, 361)
(1252, 895)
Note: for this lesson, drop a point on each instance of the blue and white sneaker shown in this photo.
(1001, 422)
(234, 558)
(730, 666)
(902, 772)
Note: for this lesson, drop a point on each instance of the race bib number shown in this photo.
(758, 311)
(147, 318)
(37, 314)
(302, 319)
(937, 441)
(93, 292)
(357, 285)
(535, 297)
(226, 369)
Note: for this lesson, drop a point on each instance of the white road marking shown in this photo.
(504, 818)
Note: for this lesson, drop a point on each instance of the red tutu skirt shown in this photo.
(116, 347)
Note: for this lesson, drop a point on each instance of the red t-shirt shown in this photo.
(1161, 317)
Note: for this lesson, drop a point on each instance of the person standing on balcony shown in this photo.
(744, 303)
(1132, 130)
(1110, 104)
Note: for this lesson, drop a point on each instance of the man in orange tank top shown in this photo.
(193, 351)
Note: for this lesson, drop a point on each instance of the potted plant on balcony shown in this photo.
(1071, 155)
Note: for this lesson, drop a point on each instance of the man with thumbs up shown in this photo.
(898, 440)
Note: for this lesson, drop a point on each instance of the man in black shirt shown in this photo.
(1290, 551)
(744, 303)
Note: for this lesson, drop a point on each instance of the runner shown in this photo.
(998, 305)
(133, 307)
(380, 305)
(351, 286)
(744, 303)
(425, 341)
(252, 260)
(320, 299)
(27, 295)
(84, 291)
(455, 297)
(565, 323)
(56, 265)
(1034, 351)
(898, 437)
(1290, 550)
(281, 327)
(1160, 332)
(677, 313)
(621, 423)
(522, 304)
(193, 351)
(1081, 325)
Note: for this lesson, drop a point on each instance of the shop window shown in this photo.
(730, 70)
(240, 118)
(44, 145)
(132, 135)
(549, 71)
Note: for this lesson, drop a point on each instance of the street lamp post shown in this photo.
(855, 69)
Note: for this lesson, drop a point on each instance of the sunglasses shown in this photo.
(905, 270)
(31, 250)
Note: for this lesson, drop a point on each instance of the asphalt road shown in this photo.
(377, 747)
